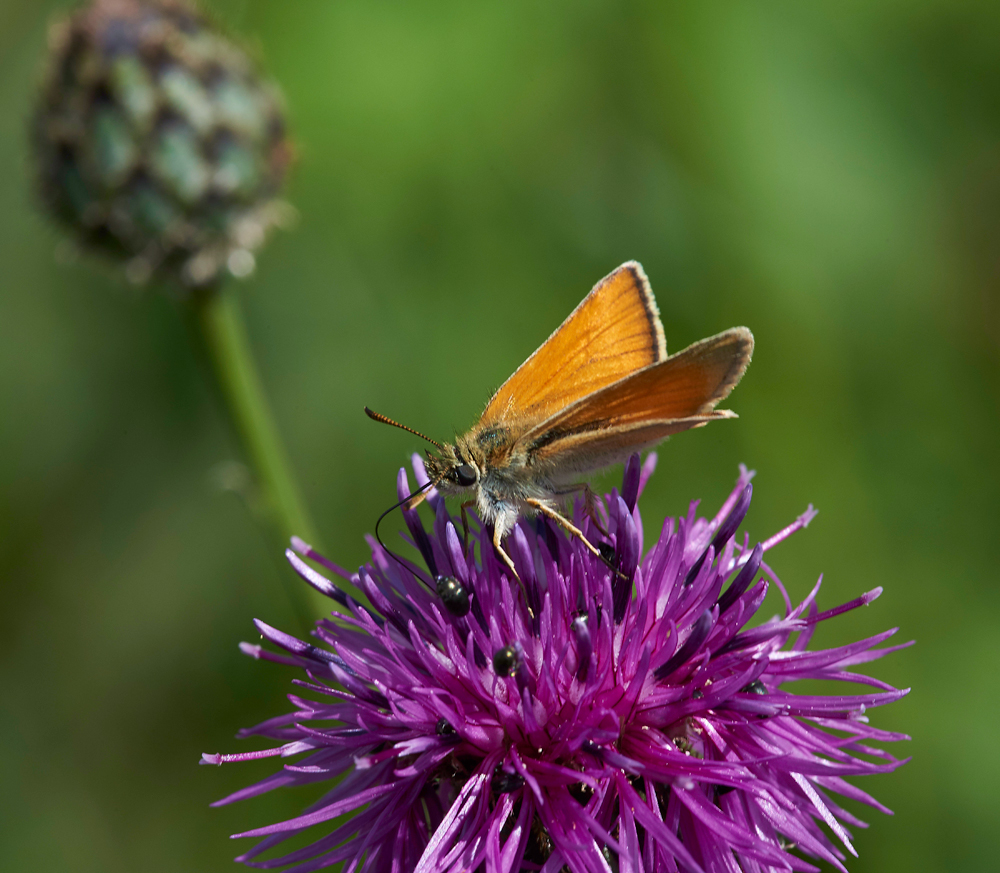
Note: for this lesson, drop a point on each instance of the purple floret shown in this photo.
(603, 715)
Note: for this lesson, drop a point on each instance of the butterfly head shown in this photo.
(454, 469)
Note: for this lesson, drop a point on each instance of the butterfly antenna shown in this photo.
(377, 416)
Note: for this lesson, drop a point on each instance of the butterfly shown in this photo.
(600, 388)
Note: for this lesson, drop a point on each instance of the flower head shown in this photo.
(605, 712)
(157, 140)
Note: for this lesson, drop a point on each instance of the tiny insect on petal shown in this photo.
(453, 595)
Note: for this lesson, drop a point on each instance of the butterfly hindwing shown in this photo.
(643, 408)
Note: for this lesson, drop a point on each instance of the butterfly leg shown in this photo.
(573, 530)
(589, 504)
(560, 519)
(497, 535)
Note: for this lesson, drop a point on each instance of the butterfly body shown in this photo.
(598, 389)
(493, 467)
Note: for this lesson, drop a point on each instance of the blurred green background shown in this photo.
(826, 173)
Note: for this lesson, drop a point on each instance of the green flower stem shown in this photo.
(276, 498)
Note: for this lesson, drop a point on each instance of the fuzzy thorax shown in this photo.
(484, 467)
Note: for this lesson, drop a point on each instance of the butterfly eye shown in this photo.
(466, 475)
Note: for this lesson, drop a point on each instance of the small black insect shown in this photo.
(608, 554)
(504, 782)
(444, 728)
(755, 687)
(453, 595)
(505, 661)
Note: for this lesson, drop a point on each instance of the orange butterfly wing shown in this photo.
(644, 408)
(615, 331)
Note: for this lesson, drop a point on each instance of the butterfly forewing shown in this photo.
(641, 409)
(614, 331)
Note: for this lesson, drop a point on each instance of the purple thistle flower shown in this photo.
(628, 720)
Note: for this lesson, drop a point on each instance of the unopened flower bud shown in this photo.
(157, 141)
